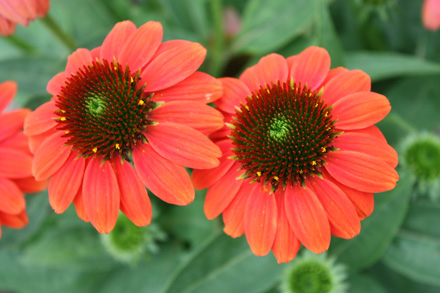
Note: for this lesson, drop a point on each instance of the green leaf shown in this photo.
(364, 284)
(223, 265)
(377, 231)
(415, 251)
(266, 28)
(383, 65)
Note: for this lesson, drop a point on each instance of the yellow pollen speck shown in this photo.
(247, 108)
(316, 105)
(131, 79)
(259, 173)
(326, 113)
(314, 163)
(301, 171)
(95, 149)
(323, 149)
(116, 68)
(268, 91)
(67, 132)
(62, 111)
(141, 102)
(117, 146)
(276, 178)
(63, 118)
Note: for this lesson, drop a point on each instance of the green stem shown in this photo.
(396, 119)
(65, 38)
(20, 44)
(216, 64)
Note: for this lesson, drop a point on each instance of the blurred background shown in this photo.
(398, 249)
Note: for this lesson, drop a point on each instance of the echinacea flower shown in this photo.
(431, 14)
(302, 157)
(15, 162)
(129, 113)
(13, 12)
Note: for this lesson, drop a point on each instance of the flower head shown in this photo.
(13, 12)
(15, 162)
(128, 114)
(431, 14)
(301, 156)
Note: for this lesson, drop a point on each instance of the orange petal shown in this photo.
(234, 93)
(361, 171)
(260, 220)
(8, 89)
(167, 180)
(365, 143)
(360, 110)
(141, 46)
(36, 140)
(15, 163)
(50, 156)
(101, 195)
(311, 67)
(56, 83)
(12, 122)
(431, 14)
(173, 62)
(11, 200)
(345, 83)
(79, 206)
(17, 141)
(116, 38)
(7, 27)
(233, 215)
(198, 87)
(135, 203)
(30, 185)
(205, 178)
(270, 69)
(183, 145)
(17, 221)
(221, 193)
(41, 120)
(15, 11)
(332, 73)
(342, 216)
(286, 245)
(65, 183)
(307, 218)
(78, 59)
(196, 115)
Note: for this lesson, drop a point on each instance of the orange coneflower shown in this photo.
(302, 157)
(129, 113)
(15, 162)
(14, 12)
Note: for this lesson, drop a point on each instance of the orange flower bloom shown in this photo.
(14, 12)
(133, 99)
(15, 162)
(302, 157)
(431, 14)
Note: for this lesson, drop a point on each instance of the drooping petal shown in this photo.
(79, 206)
(101, 195)
(234, 92)
(15, 163)
(286, 245)
(141, 46)
(30, 185)
(361, 171)
(364, 143)
(270, 69)
(183, 145)
(260, 220)
(77, 60)
(360, 110)
(196, 115)
(345, 83)
(167, 180)
(204, 178)
(311, 67)
(50, 156)
(65, 183)
(198, 87)
(15, 11)
(17, 221)
(56, 83)
(221, 193)
(7, 27)
(11, 198)
(342, 216)
(17, 141)
(40, 120)
(233, 215)
(8, 89)
(307, 218)
(135, 203)
(12, 122)
(116, 38)
(36, 140)
(173, 62)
